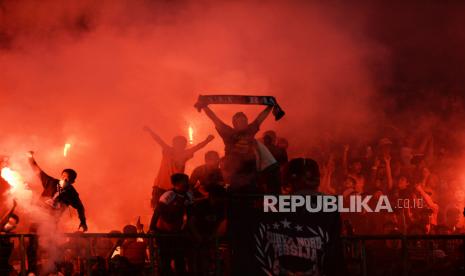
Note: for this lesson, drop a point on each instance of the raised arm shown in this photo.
(156, 137)
(326, 181)
(217, 121)
(429, 201)
(262, 116)
(33, 163)
(387, 160)
(202, 144)
(345, 165)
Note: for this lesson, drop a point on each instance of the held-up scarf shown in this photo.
(205, 100)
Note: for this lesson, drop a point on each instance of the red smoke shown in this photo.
(92, 74)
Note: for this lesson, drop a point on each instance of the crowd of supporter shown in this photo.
(412, 168)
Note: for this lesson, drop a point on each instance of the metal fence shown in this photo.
(364, 254)
(405, 254)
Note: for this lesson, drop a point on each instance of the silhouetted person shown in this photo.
(59, 193)
(240, 147)
(206, 175)
(300, 243)
(173, 161)
(168, 219)
(279, 153)
(134, 250)
(206, 217)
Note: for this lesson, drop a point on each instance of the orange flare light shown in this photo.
(66, 149)
(12, 177)
(191, 135)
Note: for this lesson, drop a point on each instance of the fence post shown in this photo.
(152, 256)
(217, 257)
(463, 246)
(364, 258)
(22, 252)
(88, 256)
(404, 256)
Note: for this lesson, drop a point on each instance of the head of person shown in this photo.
(349, 182)
(240, 121)
(356, 166)
(130, 229)
(302, 174)
(180, 182)
(179, 142)
(269, 137)
(68, 177)
(212, 159)
(403, 182)
(11, 224)
(385, 145)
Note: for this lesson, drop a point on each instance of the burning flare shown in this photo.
(66, 149)
(19, 189)
(191, 135)
(13, 178)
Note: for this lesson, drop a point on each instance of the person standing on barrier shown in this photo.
(168, 221)
(60, 193)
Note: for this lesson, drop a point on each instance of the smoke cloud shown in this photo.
(92, 73)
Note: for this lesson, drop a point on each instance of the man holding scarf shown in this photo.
(240, 148)
(244, 159)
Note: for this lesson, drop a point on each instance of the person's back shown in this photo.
(135, 251)
(300, 243)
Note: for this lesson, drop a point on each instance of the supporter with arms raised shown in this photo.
(60, 193)
(173, 161)
(240, 147)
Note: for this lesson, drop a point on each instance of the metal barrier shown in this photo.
(150, 238)
(356, 249)
(356, 246)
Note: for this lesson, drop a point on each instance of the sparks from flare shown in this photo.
(18, 187)
(66, 149)
(191, 135)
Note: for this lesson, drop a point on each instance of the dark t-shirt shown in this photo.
(205, 177)
(68, 196)
(239, 143)
(134, 251)
(300, 243)
(278, 153)
(170, 212)
(206, 217)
